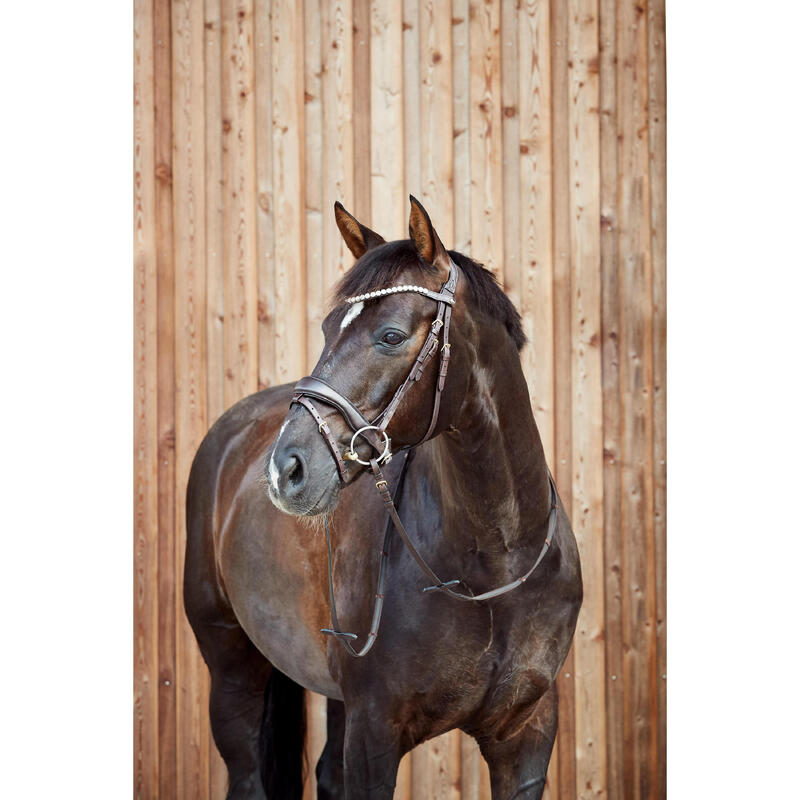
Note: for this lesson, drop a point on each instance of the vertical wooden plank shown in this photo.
(462, 223)
(338, 176)
(436, 114)
(316, 735)
(514, 61)
(188, 115)
(486, 146)
(413, 69)
(289, 183)
(587, 410)
(315, 64)
(389, 205)
(611, 400)
(636, 379)
(265, 244)
(475, 784)
(534, 171)
(562, 304)
(145, 444)
(214, 224)
(402, 789)
(657, 108)
(436, 768)
(239, 170)
(362, 114)
(165, 269)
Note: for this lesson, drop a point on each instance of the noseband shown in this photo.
(374, 433)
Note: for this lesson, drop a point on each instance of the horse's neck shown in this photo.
(494, 478)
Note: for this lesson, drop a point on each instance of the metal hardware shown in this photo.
(441, 586)
(332, 632)
(349, 455)
(382, 458)
(381, 485)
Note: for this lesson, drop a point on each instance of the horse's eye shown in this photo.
(393, 338)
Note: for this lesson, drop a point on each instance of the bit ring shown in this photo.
(384, 456)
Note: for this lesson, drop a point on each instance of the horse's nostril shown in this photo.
(295, 472)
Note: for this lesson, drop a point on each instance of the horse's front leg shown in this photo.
(518, 765)
(372, 753)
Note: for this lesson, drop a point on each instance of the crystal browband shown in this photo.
(405, 288)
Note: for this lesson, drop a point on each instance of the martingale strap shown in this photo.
(377, 608)
(394, 520)
(438, 584)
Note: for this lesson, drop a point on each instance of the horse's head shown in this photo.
(392, 315)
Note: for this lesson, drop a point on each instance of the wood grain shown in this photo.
(288, 194)
(609, 252)
(534, 133)
(362, 117)
(239, 197)
(165, 269)
(535, 190)
(486, 146)
(462, 223)
(564, 778)
(657, 113)
(215, 217)
(265, 199)
(316, 23)
(587, 407)
(145, 444)
(413, 69)
(188, 115)
(636, 378)
(389, 212)
(338, 176)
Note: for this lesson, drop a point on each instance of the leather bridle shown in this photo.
(376, 436)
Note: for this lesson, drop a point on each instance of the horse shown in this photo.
(385, 532)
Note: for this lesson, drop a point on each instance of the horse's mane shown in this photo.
(381, 266)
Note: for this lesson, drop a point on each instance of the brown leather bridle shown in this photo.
(375, 434)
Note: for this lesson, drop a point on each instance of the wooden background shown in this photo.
(534, 134)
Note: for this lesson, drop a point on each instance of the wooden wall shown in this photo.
(534, 134)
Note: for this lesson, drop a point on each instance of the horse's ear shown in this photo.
(358, 238)
(425, 238)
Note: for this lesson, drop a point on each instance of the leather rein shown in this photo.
(374, 433)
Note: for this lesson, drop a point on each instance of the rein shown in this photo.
(374, 433)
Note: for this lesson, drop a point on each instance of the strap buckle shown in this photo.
(381, 485)
(332, 632)
(440, 586)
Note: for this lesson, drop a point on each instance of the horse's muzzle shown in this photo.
(300, 473)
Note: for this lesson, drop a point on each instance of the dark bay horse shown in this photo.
(475, 499)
